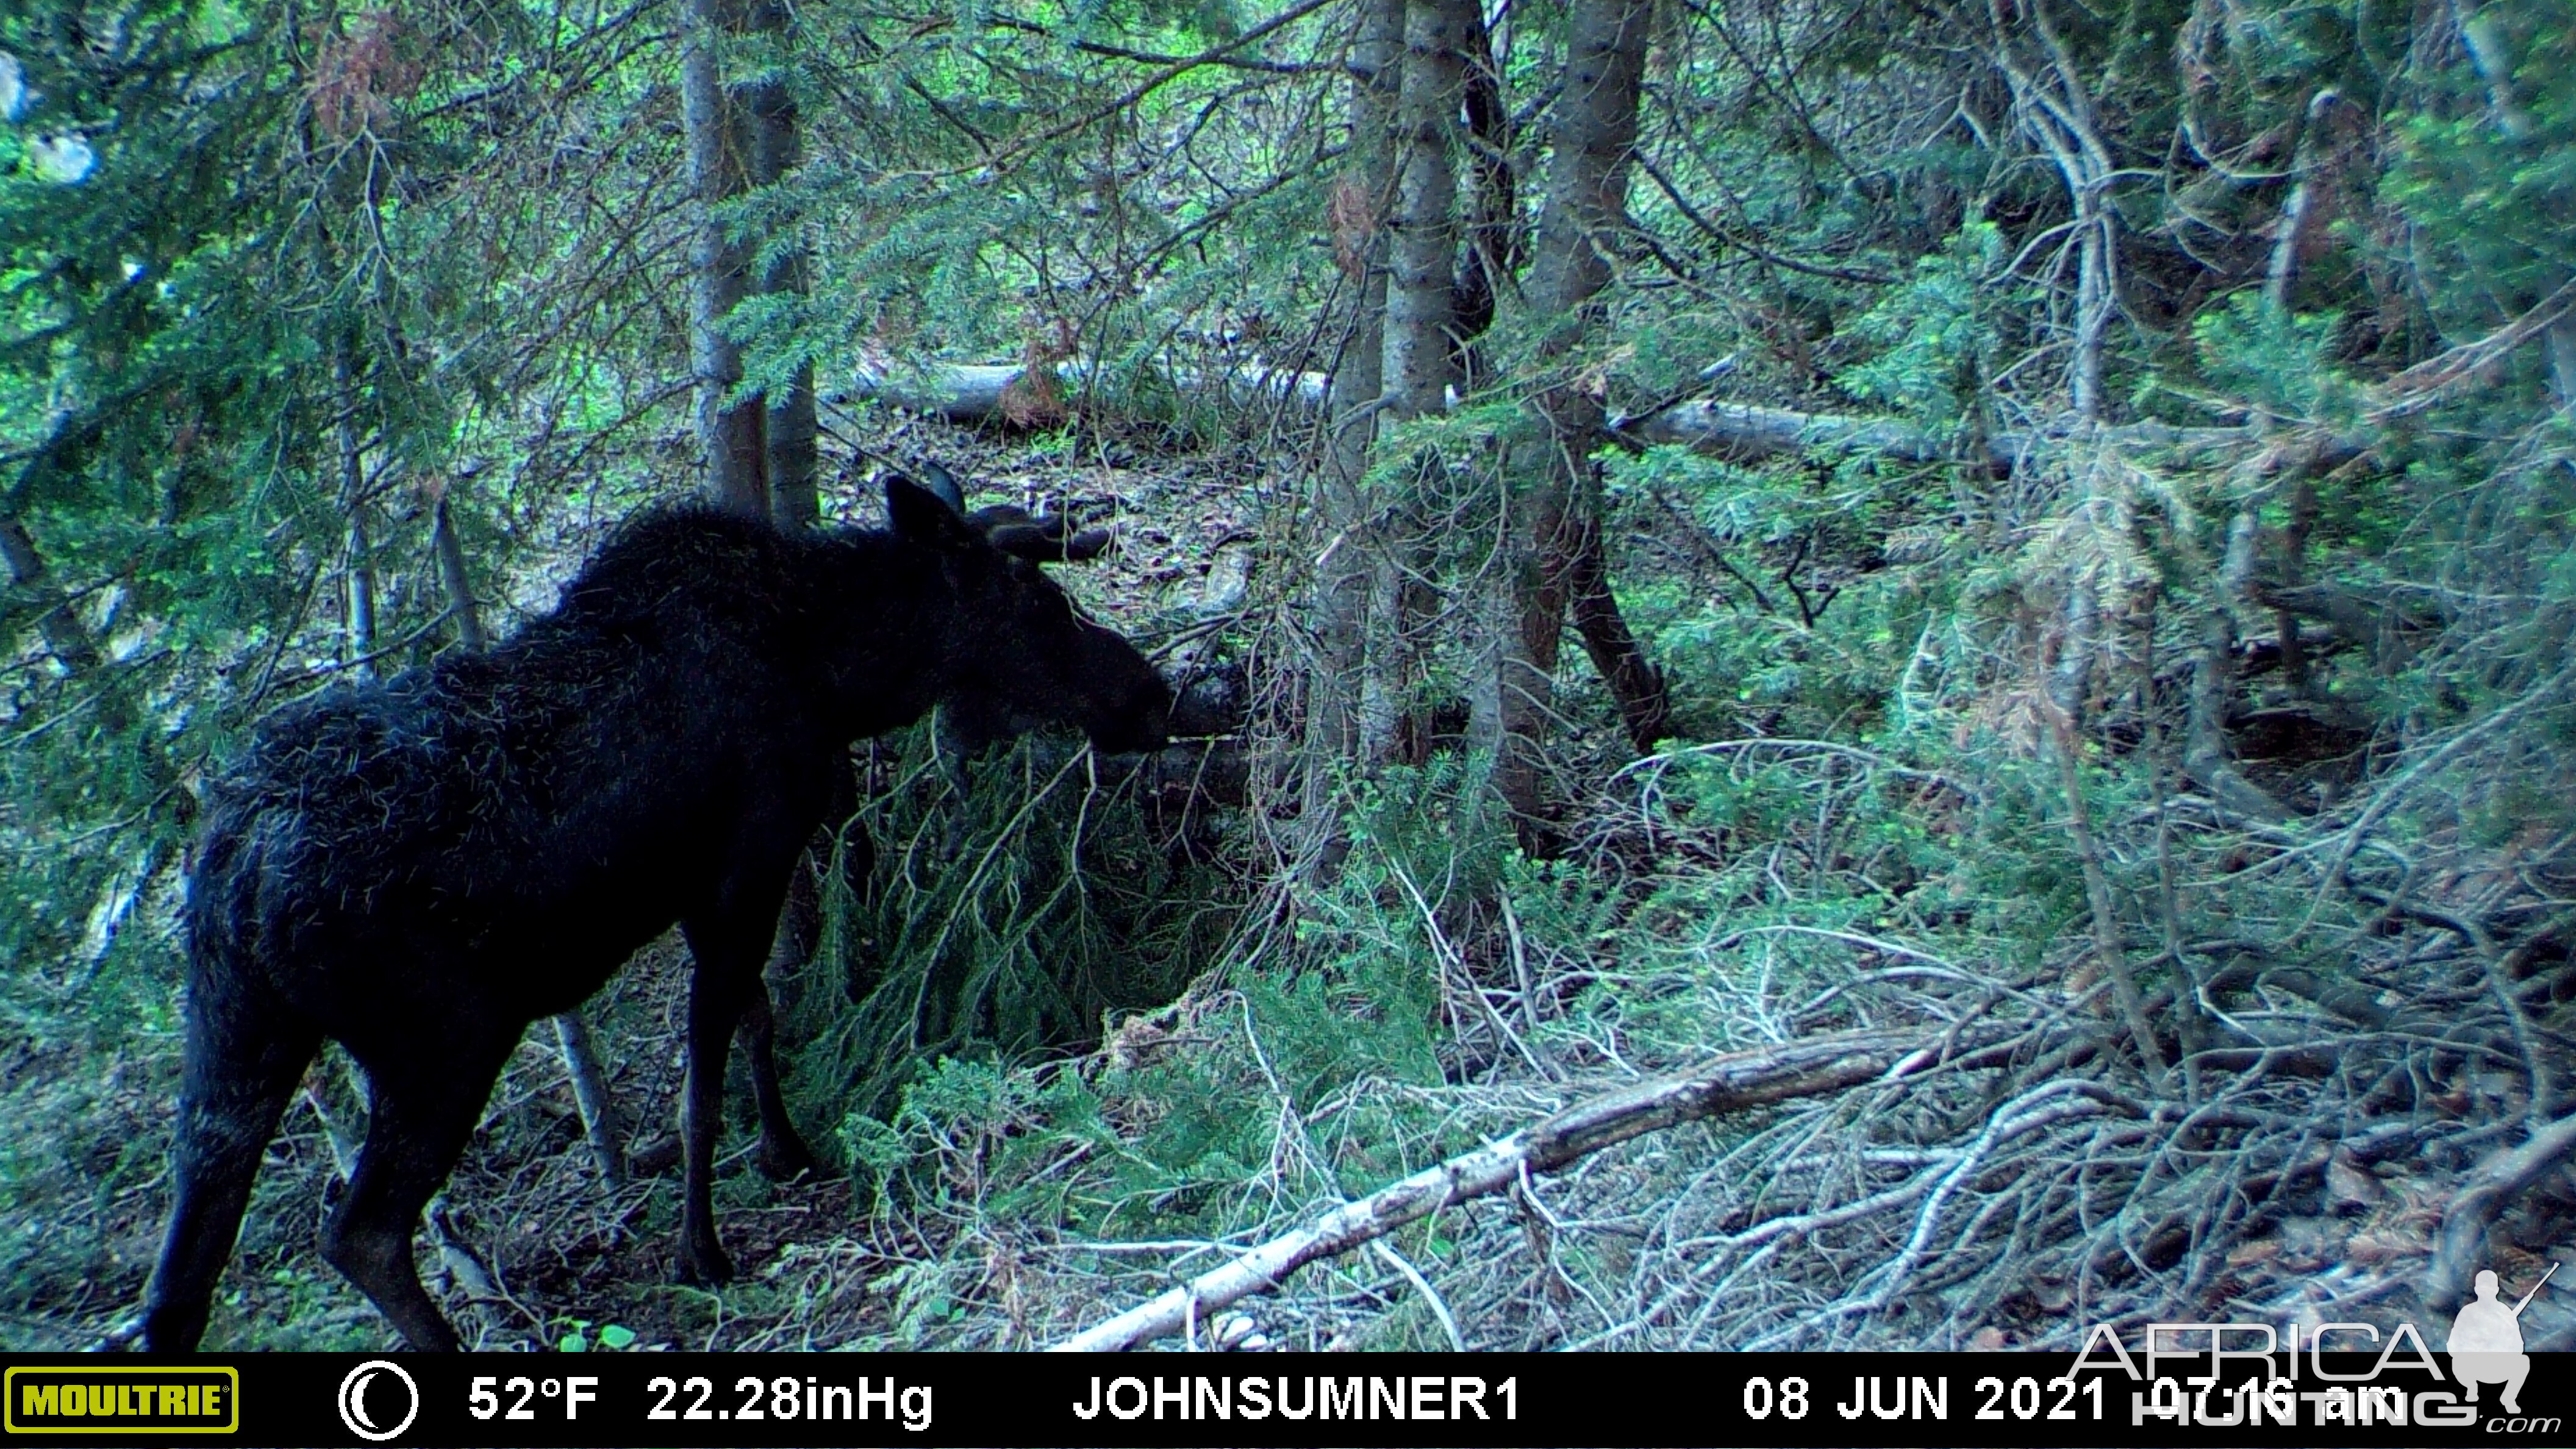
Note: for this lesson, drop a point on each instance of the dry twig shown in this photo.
(1729, 1084)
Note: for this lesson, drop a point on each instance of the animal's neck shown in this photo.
(883, 622)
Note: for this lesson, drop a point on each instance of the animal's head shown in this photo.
(1019, 655)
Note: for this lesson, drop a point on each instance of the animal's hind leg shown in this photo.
(729, 945)
(242, 1064)
(783, 1153)
(420, 1115)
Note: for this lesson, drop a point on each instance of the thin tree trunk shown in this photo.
(2491, 52)
(67, 636)
(61, 629)
(359, 578)
(731, 432)
(599, 1126)
(2205, 760)
(461, 607)
(763, 109)
(2056, 110)
(1420, 316)
(1335, 738)
(2097, 894)
(1645, 707)
(1490, 250)
(777, 147)
(1556, 550)
(1420, 357)
(793, 443)
(2325, 139)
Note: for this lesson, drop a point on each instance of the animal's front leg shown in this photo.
(713, 1008)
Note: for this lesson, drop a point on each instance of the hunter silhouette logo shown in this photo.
(2486, 1341)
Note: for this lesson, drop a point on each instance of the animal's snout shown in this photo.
(1210, 701)
(1141, 722)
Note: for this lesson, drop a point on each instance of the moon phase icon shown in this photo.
(353, 1400)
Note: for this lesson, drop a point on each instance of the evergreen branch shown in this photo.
(1147, 57)
(1755, 249)
(1171, 71)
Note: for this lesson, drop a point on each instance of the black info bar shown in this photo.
(821, 1400)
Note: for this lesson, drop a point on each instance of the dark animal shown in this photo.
(419, 869)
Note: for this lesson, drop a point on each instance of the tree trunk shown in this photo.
(731, 432)
(1349, 546)
(358, 597)
(2055, 109)
(1491, 249)
(2326, 138)
(2491, 53)
(599, 1124)
(64, 634)
(2205, 759)
(461, 608)
(1420, 319)
(793, 462)
(1420, 357)
(1556, 539)
(765, 108)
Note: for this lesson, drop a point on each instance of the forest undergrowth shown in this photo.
(1101, 1047)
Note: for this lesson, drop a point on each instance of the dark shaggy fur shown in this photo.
(419, 869)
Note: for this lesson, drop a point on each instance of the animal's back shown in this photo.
(534, 813)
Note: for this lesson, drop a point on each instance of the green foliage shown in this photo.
(1173, 1135)
(577, 1337)
(1424, 844)
(2486, 165)
(1003, 920)
(1806, 614)
(1935, 337)
(2283, 365)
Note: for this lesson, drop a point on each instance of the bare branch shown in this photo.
(1729, 1084)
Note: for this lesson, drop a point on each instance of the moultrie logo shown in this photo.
(110, 1398)
(353, 1400)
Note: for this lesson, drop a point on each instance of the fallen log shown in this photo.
(981, 392)
(1728, 1084)
(1745, 432)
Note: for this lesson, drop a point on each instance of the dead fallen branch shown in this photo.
(975, 392)
(1726, 1085)
(1746, 432)
(2491, 1187)
(980, 392)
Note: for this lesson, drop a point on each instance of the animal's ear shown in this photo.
(924, 517)
(942, 482)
